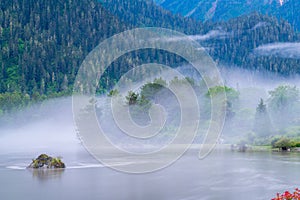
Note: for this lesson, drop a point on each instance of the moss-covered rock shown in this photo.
(56, 163)
(45, 161)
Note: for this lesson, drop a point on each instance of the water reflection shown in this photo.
(47, 174)
(222, 175)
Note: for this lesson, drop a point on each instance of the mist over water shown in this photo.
(49, 127)
(252, 86)
(44, 128)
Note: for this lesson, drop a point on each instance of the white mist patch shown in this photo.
(284, 50)
(48, 135)
(210, 35)
(254, 85)
(260, 24)
(243, 78)
(52, 131)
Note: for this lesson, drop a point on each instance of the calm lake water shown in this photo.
(222, 175)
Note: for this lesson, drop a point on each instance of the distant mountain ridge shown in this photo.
(230, 42)
(220, 10)
(143, 13)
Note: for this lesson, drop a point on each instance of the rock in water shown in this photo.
(56, 163)
(45, 161)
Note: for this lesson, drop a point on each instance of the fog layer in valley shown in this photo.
(50, 128)
(44, 128)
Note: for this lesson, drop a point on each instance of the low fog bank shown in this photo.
(262, 105)
(254, 85)
(283, 49)
(243, 78)
(44, 128)
(267, 107)
(49, 127)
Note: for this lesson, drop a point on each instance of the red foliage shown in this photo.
(288, 196)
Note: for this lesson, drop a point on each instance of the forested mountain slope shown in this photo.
(141, 13)
(43, 42)
(243, 35)
(232, 42)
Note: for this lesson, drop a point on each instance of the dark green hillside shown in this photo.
(242, 34)
(144, 13)
(43, 43)
(248, 32)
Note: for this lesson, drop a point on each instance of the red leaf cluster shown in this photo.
(288, 196)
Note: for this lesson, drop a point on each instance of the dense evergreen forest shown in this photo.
(43, 43)
(234, 40)
(248, 32)
(144, 13)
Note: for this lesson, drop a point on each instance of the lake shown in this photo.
(222, 175)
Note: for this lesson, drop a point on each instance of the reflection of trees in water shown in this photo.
(46, 174)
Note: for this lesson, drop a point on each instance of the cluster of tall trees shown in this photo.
(274, 117)
(278, 116)
(270, 118)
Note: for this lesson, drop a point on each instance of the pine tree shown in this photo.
(262, 125)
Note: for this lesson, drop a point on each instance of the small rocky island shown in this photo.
(45, 161)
